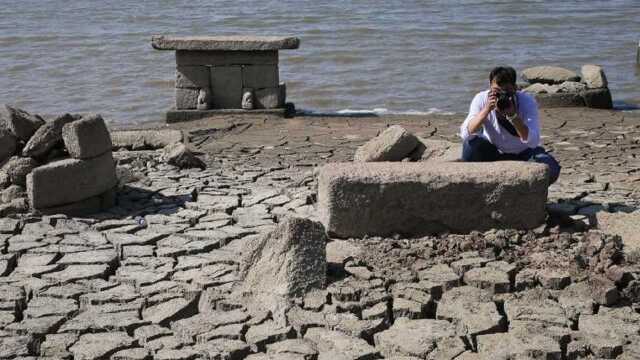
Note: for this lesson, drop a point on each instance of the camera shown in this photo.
(503, 100)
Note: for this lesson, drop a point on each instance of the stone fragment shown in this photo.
(535, 305)
(337, 344)
(441, 276)
(509, 346)
(301, 348)
(393, 144)
(93, 321)
(413, 337)
(576, 300)
(597, 98)
(381, 199)
(224, 349)
(152, 139)
(12, 193)
(17, 169)
(259, 336)
(548, 75)
(46, 137)
(87, 138)
(189, 328)
(436, 150)
(554, 279)
(287, 262)
(231, 332)
(148, 333)
(169, 311)
(559, 99)
(57, 345)
(603, 290)
(20, 123)
(8, 143)
(594, 76)
(15, 346)
(36, 326)
(45, 306)
(77, 272)
(71, 180)
(626, 225)
(100, 346)
(179, 155)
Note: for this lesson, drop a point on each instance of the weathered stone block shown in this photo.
(47, 136)
(70, 180)
(260, 76)
(87, 137)
(597, 98)
(269, 98)
(549, 75)
(285, 263)
(393, 144)
(193, 77)
(187, 99)
(594, 76)
(222, 58)
(226, 84)
(226, 42)
(553, 100)
(357, 199)
(154, 139)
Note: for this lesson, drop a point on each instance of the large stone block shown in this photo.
(70, 180)
(186, 98)
(193, 77)
(357, 199)
(225, 43)
(393, 144)
(260, 76)
(222, 58)
(87, 138)
(226, 84)
(285, 263)
(553, 100)
(549, 75)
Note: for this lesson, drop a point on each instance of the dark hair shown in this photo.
(503, 75)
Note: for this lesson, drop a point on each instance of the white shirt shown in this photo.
(497, 135)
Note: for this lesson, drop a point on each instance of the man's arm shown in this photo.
(477, 116)
(526, 122)
(521, 128)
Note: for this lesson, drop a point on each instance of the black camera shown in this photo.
(503, 100)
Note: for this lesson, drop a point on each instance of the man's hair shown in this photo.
(503, 75)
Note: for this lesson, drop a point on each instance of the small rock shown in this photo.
(17, 169)
(21, 123)
(12, 192)
(179, 155)
(594, 76)
(393, 144)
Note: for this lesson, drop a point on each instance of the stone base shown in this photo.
(175, 116)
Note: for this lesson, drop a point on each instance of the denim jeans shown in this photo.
(480, 149)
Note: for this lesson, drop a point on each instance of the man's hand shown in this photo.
(491, 104)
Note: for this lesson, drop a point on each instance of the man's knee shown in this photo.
(478, 149)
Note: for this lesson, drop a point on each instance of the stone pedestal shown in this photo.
(239, 74)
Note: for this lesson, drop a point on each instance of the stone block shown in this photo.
(381, 199)
(226, 43)
(553, 100)
(87, 138)
(222, 58)
(269, 98)
(70, 180)
(597, 98)
(548, 75)
(393, 144)
(47, 136)
(198, 77)
(21, 124)
(187, 99)
(226, 84)
(153, 139)
(260, 76)
(594, 76)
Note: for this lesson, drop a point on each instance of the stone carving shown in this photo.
(204, 99)
(247, 100)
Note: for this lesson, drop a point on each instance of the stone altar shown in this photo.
(226, 74)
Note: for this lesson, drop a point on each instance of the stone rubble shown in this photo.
(155, 275)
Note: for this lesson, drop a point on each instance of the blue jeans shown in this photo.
(480, 149)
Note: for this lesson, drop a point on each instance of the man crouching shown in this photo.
(503, 125)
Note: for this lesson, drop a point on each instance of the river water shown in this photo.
(385, 56)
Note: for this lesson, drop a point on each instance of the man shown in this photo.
(503, 125)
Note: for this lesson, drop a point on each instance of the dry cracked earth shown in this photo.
(150, 278)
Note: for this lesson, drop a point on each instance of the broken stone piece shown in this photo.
(87, 138)
(393, 144)
(179, 155)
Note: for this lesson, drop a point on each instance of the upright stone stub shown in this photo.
(414, 199)
(225, 43)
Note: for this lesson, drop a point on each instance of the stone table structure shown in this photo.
(223, 74)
